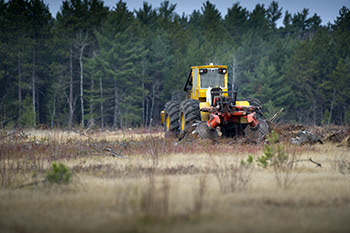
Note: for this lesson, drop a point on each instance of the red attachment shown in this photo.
(213, 121)
(252, 121)
(244, 108)
(224, 111)
(216, 100)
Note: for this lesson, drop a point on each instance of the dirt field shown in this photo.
(139, 181)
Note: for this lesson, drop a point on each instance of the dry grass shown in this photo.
(166, 186)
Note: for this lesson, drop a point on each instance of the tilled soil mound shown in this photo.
(329, 133)
(292, 133)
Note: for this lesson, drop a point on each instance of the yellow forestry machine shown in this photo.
(210, 108)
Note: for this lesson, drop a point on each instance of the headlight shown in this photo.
(222, 70)
(203, 71)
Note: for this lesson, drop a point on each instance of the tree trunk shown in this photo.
(20, 100)
(70, 101)
(53, 111)
(101, 105)
(81, 86)
(144, 68)
(125, 119)
(151, 113)
(33, 88)
(314, 103)
(37, 103)
(115, 115)
(82, 37)
(147, 112)
(91, 106)
(234, 74)
(2, 113)
(154, 91)
(330, 112)
(143, 103)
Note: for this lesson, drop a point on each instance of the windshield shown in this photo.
(212, 78)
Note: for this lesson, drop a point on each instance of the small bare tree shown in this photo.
(81, 44)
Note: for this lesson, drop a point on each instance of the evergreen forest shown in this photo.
(95, 66)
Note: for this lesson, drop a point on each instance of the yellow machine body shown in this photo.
(197, 88)
(208, 107)
(199, 80)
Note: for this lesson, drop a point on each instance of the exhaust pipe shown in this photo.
(234, 97)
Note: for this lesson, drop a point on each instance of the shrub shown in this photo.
(276, 157)
(248, 162)
(59, 174)
(273, 152)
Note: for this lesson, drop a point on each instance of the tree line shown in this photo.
(98, 67)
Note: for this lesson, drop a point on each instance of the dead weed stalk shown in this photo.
(341, 164)
(9, 169)
(155, 200)
(232, 177)
(199, 194)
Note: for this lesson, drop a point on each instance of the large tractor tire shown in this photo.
(258, 132)
(189, 114)
(171, 118)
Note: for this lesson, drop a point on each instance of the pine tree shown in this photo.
(258, 20)
(40, 21)
(18, 53)
(274, 13)
(118, 54)
(339, 92)
(77, 22)
(236, 21)
(213, 31)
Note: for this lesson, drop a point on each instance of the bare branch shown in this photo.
(274, 117)
(306, 160)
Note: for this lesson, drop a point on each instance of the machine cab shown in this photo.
(204, 78)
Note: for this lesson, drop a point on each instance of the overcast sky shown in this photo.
(328, 10)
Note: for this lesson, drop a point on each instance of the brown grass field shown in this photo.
(163, 185)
